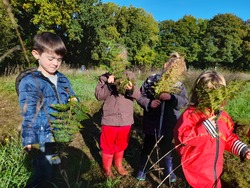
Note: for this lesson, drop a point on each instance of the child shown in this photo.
(159, 118)
(37, 90)
(117, 119)
(201, 136)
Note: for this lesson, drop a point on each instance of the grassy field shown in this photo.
(82, 160)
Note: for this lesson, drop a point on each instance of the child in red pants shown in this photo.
(117, 118)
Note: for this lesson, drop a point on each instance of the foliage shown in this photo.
(85, 148)
(170, 79)
(109, 183)
(9, 48)
(69, 119)
(116, 64)
(215, 99)
(236, 172)
(227, 33)
(54, 15)
(239, 107)
(222, 41)
(13, 167)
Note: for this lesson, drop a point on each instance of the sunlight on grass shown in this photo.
(12, 158)
(13, 167)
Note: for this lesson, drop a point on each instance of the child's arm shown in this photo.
(72, 93)
(180, 100)
(190, 130)
(30, 104)
(144, 100)
(233, 144)
(103, 90)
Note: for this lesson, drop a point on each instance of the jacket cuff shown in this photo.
(239, 148)
(136, 94)
(210, 128)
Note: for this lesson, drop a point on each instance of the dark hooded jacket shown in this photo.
(170, 113)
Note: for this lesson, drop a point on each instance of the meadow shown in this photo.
(81, 158)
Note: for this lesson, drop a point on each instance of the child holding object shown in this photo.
(204, 131)
(38, 89)
(163, 96)
(117, 115)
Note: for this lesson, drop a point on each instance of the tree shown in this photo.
(137, 29)
(187, 31)
(8, 41)
(167, 40)
(243, 63)
(227, 32)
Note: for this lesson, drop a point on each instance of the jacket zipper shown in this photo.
(216, 155)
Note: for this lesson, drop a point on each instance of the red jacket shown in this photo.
(201, 152)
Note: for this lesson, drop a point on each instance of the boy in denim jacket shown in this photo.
(38, 90)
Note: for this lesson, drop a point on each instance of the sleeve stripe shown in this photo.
(210, 128)
(237, 147)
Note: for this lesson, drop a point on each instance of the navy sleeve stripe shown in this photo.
(210, 128)
(237, 147)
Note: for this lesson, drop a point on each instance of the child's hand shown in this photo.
(27, 148)
(165, 96)
(155, 103)
(129, 86)
(111, 79)
(212, 120)
(248, 154)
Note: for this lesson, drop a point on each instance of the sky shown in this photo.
(176, 9)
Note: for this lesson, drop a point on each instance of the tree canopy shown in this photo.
(89, 27)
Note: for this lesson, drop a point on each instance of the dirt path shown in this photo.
(10, 118)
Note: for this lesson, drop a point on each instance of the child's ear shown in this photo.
(35, 54)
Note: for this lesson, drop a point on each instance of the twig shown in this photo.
(10, 51)
(12, 19)
(176, 169)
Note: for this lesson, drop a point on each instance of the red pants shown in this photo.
(114, 138)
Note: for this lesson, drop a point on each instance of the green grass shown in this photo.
(82, 162)
(239, 107)
(14, 170)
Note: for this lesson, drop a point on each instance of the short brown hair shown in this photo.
(49, 42)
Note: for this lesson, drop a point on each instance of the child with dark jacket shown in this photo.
(159, 119)
(38, 90)
(117, 118)
(203, 134)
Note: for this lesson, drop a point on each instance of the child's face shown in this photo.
(49, 63)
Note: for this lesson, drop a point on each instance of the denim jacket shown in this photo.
(36, 94)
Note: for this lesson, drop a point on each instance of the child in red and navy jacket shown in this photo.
(202, 137)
